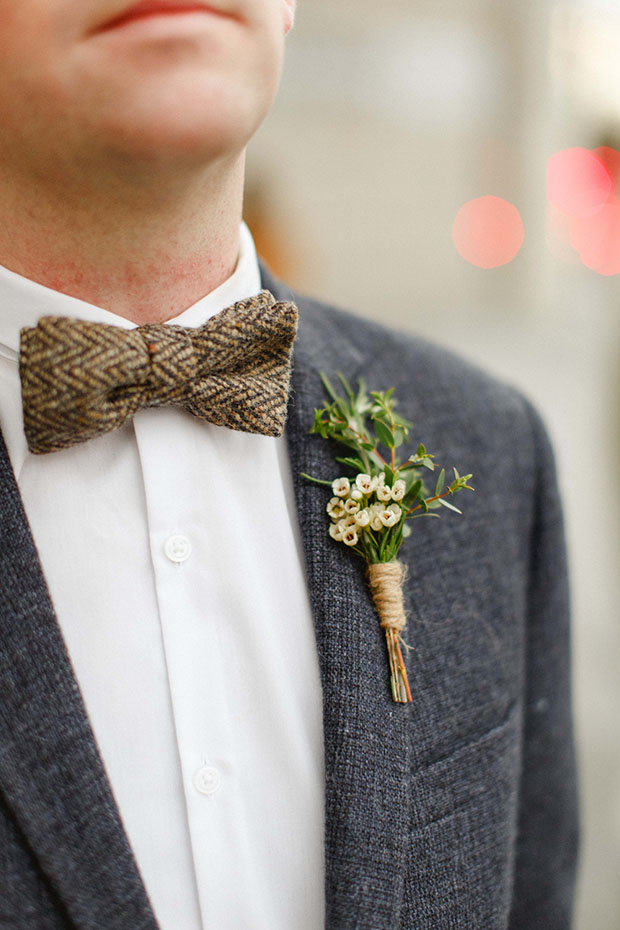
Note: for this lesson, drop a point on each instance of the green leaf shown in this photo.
(421, 451)
(414, 489)
(356, 464)
(401, 421)
(327, 385)
(384, 433)
(347, 388)
(440, 482)
(445, 503)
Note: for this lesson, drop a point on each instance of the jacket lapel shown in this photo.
(51, 774)
(367, 756)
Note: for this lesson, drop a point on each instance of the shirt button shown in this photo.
(207, 779)
(177, 548)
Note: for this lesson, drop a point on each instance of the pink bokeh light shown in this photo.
(583, 190)
(578, 183)
(597, 238)
(488, 232)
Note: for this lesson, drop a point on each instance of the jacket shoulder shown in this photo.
(442, 385)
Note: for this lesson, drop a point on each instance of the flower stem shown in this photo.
(429, 500)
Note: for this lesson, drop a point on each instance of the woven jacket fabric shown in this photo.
(455, 811)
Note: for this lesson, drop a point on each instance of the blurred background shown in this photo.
(393, 116)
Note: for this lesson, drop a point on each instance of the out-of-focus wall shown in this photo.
(391, 116)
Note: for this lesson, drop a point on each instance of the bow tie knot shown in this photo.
(81, 379)
(170, 365)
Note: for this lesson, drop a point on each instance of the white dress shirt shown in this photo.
(172, 553)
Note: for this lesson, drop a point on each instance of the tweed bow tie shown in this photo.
(81, 379)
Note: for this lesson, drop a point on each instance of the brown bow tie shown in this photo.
(80, 379)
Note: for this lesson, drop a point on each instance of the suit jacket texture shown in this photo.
(454, 812)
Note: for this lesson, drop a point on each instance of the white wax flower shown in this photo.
(356, 494)
(350, 538)
(398, 490)
(341, 487)
(391, 515)
(352, 506)
(363, 517)
(365, 483)
(384, 493)
(347, 522)
(335, 508)
(335, 531)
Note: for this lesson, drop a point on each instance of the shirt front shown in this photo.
(172, 553)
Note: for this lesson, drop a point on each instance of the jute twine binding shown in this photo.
(386, 585)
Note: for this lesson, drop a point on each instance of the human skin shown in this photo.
(123, 143)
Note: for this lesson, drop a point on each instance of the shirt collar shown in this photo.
(23, 302)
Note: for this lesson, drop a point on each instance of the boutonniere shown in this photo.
(371, 511)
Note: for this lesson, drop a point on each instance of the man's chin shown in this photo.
(175, 134)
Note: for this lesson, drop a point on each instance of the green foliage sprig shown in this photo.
(368, 424)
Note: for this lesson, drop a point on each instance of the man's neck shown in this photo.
(146, 254)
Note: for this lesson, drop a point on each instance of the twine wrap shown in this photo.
(386, 586)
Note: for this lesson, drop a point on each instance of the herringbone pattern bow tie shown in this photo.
(81, 379)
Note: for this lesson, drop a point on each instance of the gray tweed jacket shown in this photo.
(455, 812)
